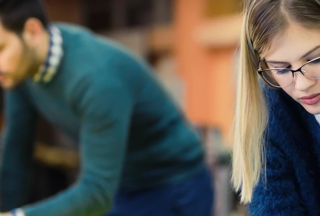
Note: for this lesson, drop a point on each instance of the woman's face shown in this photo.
(291, 49)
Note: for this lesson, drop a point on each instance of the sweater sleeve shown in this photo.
(17, 137)
(105, 111)
(276, 193)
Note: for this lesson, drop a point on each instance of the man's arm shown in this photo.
(16, 149)
(105, 108)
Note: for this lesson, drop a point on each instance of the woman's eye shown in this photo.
(315, 61)
(282, 71)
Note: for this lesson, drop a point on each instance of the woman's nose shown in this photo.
(302, 82)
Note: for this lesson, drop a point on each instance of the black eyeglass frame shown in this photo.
(260, 72)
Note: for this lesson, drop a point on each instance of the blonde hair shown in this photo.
(262, 21)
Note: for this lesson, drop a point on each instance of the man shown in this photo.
(139, 156)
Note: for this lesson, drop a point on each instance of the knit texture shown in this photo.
(290, 184)
(131, 134)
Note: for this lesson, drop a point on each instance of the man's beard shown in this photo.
(31, 62)
(30, 66)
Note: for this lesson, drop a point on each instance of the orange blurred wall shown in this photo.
(208, 72)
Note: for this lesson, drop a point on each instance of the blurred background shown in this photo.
(192, 46)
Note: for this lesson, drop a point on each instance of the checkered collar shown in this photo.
(50, 66)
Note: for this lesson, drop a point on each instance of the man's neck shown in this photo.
(42, 52)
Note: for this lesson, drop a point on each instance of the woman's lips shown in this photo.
(310, 99)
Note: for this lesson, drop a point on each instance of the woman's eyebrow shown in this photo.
(302, 57)
(309, 52)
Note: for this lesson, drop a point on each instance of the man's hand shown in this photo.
(6, 214)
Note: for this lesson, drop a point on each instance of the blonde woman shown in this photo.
(276, 159)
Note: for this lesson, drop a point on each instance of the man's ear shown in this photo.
(33, 32)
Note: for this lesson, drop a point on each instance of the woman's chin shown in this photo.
(312, 109)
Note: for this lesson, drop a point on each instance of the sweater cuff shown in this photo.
(18, 212)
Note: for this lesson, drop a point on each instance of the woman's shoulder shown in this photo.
(290, 128)
(290, 179)
(289, 124)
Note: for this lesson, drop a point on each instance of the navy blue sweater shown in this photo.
(292, 183)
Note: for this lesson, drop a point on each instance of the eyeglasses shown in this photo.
(284, 77)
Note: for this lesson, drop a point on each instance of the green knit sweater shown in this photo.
(130, 133)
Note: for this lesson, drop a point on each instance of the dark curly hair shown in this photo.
(14, 13)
